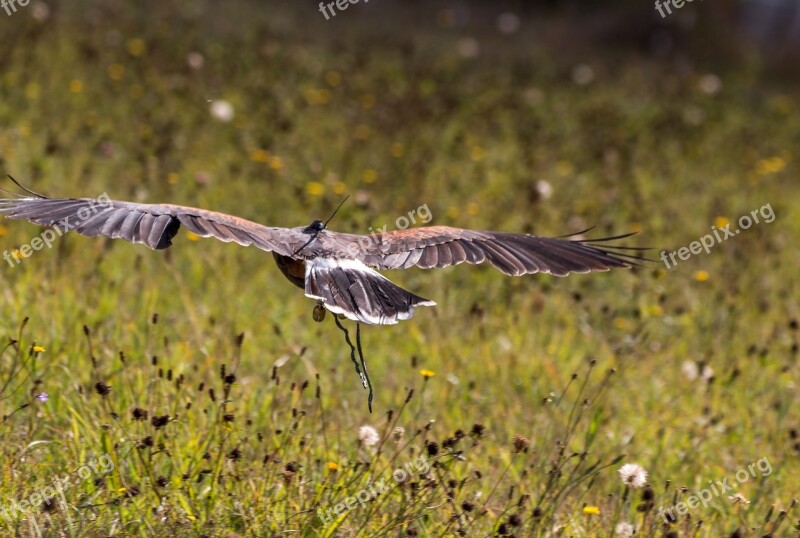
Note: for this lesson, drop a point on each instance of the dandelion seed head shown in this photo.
(195, 60)
(368, 436)
(544, 189)
(690, 370)
(633, 475)
(468, 47)
(624, 528)
(508, 23)
(222, 110)
(40, 11)
(582, 75)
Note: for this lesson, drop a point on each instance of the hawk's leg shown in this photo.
(363, 365)
(361, 369)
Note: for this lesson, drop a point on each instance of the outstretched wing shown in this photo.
(153, 225)
(513, 254)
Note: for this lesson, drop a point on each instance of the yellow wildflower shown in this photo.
(701, 276)
(315, 188)
(369, 175)
(135, 46)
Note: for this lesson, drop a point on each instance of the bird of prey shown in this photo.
(338, 270)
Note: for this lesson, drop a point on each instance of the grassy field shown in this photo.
(190, 393)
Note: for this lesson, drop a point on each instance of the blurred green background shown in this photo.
(543, 118)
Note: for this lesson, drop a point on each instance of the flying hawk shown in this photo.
(339, 270)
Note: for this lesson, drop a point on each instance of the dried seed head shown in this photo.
(398, 433)
(159, 422)
(521, 444)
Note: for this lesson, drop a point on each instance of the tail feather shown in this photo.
(351, 288)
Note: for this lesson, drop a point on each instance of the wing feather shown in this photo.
(153, 225)
(113, 223)
(457, 252)
(513, 254)
(129, 226)
(444, 255)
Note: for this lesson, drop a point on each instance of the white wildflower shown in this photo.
(690, 370)
(544, 189)
(195, 60)
(222, 110)
(368, 436)
(582, 74)
(40, 11)
(624, 528)
(710, 84)
(508, 23)
(468, 47)
(633, 475)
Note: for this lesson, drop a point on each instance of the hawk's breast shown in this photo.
(293, 269)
